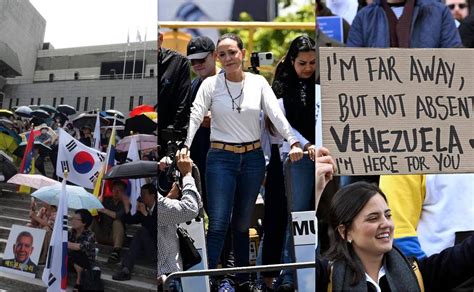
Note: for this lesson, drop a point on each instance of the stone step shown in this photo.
(137, 283)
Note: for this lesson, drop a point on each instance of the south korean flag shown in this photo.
(83, 163)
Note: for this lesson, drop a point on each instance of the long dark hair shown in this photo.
(298, 94)
(345, 206)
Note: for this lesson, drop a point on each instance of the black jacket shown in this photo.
(150, 222)
(441, 272)
(466, 30)
(174, 92)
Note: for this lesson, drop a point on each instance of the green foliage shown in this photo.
(276, 40)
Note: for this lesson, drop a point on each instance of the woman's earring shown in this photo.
(349, 241)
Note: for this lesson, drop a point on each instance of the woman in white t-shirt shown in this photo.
(235, 162)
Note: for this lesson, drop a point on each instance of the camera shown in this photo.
(258, 59)
(175, 140)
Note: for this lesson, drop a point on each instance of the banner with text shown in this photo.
(398, 111)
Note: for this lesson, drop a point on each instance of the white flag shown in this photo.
(135, 184)
(55, 271)
(83, 163)
(97, 133)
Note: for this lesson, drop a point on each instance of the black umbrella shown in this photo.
(48, 109)
(131, 170)
(37, 121)
(66, 109)
(62, 117)
(88, 120)
(140, 124)
(39, 113)
(7, 168)
(43, 149)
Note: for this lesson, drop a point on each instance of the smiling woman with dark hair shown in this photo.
(363, 256)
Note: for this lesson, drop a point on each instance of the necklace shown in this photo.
(233, 99)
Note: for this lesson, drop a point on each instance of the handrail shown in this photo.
(216, 272)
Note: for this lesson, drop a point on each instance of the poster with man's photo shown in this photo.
(23, 250)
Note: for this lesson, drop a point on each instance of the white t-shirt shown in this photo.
(229, 125)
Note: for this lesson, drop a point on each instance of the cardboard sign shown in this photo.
(23, 251)
(332, 27)
(304, 235)
(398, 111)
(198, 284)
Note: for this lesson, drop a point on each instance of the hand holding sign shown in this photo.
(325, 168)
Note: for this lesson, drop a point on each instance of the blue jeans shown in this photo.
(233, 183)
(302, 192)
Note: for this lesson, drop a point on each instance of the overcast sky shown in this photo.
(77, 23)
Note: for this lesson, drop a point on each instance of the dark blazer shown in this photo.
(150, 222)
(31, 267)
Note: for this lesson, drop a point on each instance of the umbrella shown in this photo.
(5, 113)
(23, 111)
(11, 133)
(79, 198)
(66, 109)
(43, 149)
(5, 122)
(62, 117)
(88, 120)
(152, 116)
(144, 141)
(135, 169)
(39, 113)
(36, 181)
(141, 109)
(140, 124)
(111, 121)
(7, 168)
(48, 108)
(113, 113)
(37, 121)
(4, 155)
(34, 107)
(7, 143)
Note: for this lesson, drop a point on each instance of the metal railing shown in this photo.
(217, 272)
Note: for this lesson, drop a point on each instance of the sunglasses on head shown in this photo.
(460, 5)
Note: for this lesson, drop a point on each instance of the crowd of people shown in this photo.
(241, 130)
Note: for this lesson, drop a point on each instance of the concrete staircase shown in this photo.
(14, 209)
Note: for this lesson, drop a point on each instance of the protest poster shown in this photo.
(304, 235)
(23, 250)
(398, 111)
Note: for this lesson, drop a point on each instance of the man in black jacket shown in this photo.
(174, 92)
(145, 239)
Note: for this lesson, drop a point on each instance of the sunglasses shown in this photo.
(460, 5)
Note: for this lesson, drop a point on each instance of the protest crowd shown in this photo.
(228, 138)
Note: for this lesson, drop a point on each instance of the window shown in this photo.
(39, 101)
(54, 101)
(78, 103)
(62, 100)
(1, 100)
(140, 100)
(86, 103)
(17, 102)
(32, 101)
(10, 103)
(104, 101)
(152, 72)
(51, 77)
(76, 75)
(130, 107)
(112, 102)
